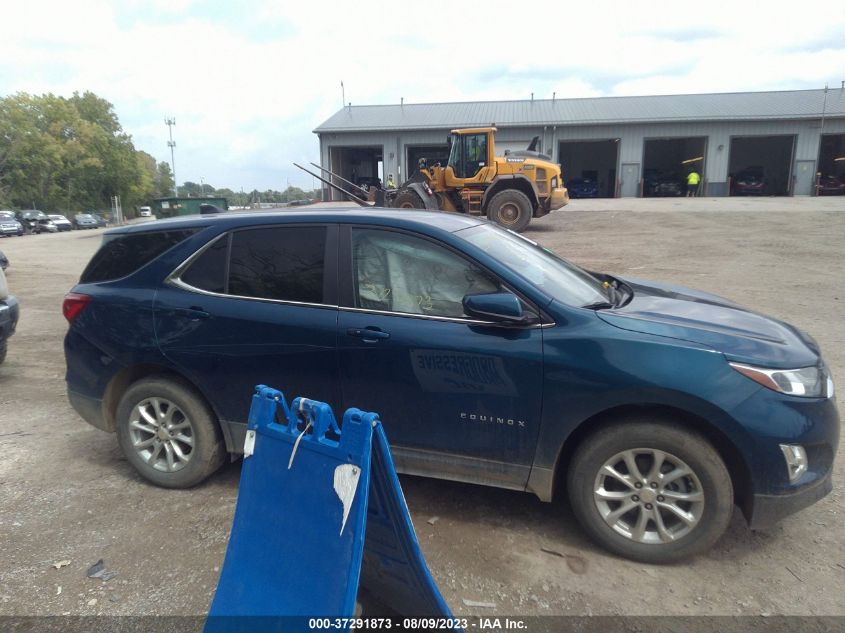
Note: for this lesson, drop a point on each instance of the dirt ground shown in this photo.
(66, 492)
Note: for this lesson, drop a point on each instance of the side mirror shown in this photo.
(496, 306)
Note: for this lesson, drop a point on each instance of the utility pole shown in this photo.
(170, 122)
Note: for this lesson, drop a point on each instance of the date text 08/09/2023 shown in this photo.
(416, 624)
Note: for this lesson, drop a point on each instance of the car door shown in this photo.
(255, 306)
(459, 398)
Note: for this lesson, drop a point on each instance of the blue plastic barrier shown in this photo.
(309, 494)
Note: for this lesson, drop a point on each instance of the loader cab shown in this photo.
(470, 152)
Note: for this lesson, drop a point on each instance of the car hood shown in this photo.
(720, 324)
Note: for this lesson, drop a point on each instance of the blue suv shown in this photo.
(490, 360)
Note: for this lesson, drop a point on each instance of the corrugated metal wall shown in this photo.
(631, 144)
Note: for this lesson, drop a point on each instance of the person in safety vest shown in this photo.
(692, 183)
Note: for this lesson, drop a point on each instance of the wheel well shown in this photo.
(126, 377)
(737, 468)
(520, 184)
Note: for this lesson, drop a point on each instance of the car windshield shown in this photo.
(84, 216)
(5, 215)
(555, 276)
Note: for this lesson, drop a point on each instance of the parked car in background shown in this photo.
(749, 182)
(9, 224)
(582, 188)
(831, 186)
(664, 184)
(102, 222)
(84, 221)
(61, 222)
(489, 359)
(4, 261)
(8, 315)
(145, 212)
(34, 221)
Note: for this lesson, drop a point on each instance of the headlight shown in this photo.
(809, 382)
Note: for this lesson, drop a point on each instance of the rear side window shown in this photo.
(122, 255)
(208, 271)
(283, 263)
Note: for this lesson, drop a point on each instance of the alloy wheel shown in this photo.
(162, 434)
(648, 496)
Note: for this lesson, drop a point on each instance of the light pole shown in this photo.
(170, 122)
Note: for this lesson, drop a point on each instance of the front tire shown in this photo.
(408, 200)
(168, 433)
(511, 209)
(4, 346)
(650, 491)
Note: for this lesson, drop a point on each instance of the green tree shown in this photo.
(67, 154)
(164, 181)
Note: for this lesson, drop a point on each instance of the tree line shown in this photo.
(70, 154)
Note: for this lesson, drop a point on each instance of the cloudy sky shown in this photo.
(248, 81)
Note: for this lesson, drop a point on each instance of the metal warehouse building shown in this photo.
(629, 146)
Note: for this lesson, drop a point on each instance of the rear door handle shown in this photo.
(194, 312)
(368, 335)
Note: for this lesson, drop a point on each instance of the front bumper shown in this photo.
(766, 510)
(10, 230)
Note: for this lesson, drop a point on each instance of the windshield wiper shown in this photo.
(599, 305)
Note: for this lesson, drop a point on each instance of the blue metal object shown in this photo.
(394, 567)
(305, 503)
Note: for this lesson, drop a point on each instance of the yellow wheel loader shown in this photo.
(508, 189)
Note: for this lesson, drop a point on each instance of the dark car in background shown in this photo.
(831, 186)
(489, 359)
(8, 315)
(102, 222)
(35, 221)
(9, 224)
(85, 221)
(582, 188)
(749, 182)
(664, 184)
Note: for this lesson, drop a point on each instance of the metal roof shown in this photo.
(734, 106)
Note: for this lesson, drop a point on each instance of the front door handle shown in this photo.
(194, 313)
(368, 335)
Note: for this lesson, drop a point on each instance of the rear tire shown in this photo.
(3, 349)
(511, 209)
(676, 510)
(408, 200)
(168, 432)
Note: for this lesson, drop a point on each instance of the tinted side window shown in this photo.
(122, 255)
(208, 271)
(395, 272)
(284, 263)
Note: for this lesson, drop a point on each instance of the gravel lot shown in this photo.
(66, 493)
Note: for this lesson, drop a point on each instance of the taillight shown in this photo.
(73, 304)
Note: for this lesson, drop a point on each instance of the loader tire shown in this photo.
(408, 200)
(511, 209)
